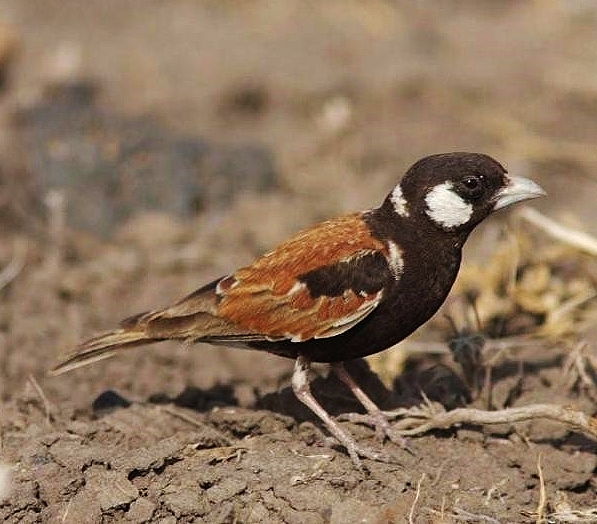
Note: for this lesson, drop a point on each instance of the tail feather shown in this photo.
(149, 327)
(101, 347)
(194, 318)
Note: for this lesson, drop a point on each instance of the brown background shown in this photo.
(345, 95)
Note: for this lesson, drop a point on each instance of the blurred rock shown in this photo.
(110, 167)
(245, 99)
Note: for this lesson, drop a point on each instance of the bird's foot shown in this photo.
(374, 417)
(379, 421)
(300, 386)
(355, 450)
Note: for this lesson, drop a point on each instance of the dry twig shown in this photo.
(563, 511)
(15, 266)
(579, 368)
(66, 511)
(467, 516)
(573, 237)
(461, 515)
(432, 415)
(411, 514)
(175, 412)
(542, 496)
(42, 396)
(194, 421)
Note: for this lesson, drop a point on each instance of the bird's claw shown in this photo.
(381, 424)
(357, 451)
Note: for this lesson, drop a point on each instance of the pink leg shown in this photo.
(382, 426)
(302, 390)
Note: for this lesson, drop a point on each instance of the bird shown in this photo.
(342, 289)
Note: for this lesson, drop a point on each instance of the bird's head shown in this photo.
(453, 192)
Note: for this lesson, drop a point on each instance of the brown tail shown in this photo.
(155, 326)
(103, 346)
(138, 330)
(194, 318)
(191, 318)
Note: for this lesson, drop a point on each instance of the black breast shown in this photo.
(430, 268)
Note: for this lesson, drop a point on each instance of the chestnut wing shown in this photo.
(316, 285)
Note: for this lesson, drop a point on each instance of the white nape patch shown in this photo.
(396, 261)
(446, 207)
(397, 198)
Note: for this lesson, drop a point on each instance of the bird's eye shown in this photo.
(472, 186)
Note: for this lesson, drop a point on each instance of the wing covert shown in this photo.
(318, 284)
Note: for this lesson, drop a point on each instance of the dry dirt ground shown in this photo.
(343, 95)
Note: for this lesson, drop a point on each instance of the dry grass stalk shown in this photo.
(580, 369)
(577, 239)
(461, 515)
(40, 392)
(15, 266)
(411, 514)
(542, 496)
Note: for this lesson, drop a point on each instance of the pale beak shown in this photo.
(517, 190)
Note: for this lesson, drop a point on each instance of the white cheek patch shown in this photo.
(399, 202)
(446, 208)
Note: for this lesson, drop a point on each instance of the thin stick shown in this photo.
(189, 419)
(415, 421)
(460, 515)
(467, 516)
(65, 515)
(13, 268)
(182, 416)
(573, 237)
(42, 395)
(542, 496)
(178, 413)
(411, 514)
